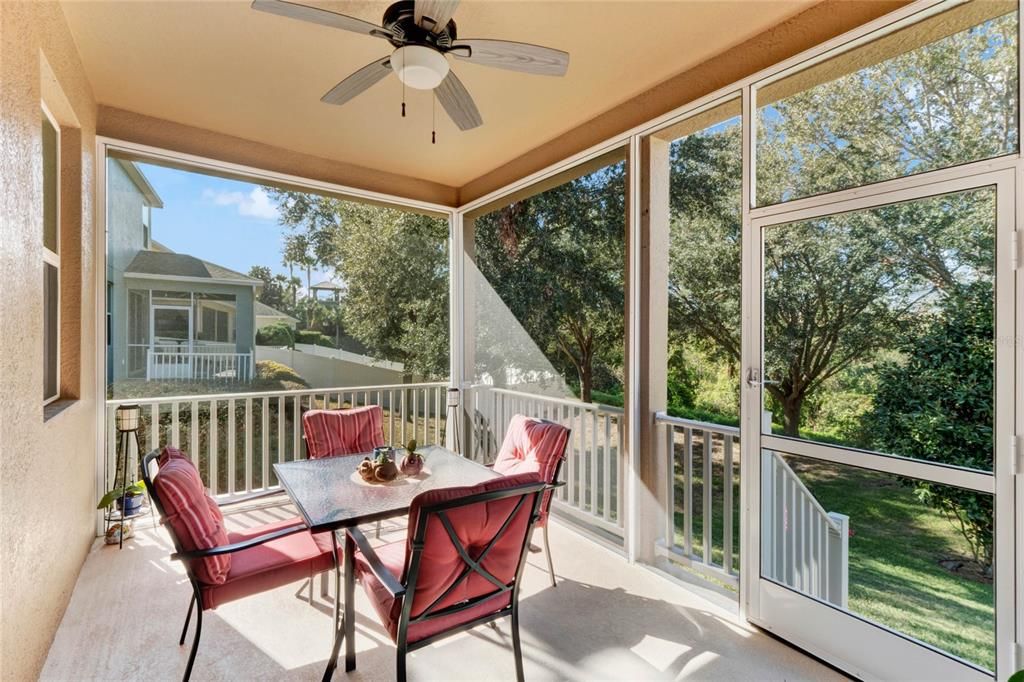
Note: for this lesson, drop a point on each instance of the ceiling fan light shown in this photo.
(419, 67)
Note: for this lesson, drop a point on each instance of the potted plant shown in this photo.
(129, 501)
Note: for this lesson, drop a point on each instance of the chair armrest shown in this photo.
(238, 546)
(386, 578)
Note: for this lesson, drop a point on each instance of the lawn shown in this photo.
(896, 547)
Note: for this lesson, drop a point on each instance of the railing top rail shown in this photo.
(199, 352)
(792, 475)
(114, 402)
(664, 418)
(611, 409)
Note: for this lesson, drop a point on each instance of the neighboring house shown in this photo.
(266, 316)
(183, 317)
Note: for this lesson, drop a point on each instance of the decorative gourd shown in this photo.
(366, 470)
(384, 469)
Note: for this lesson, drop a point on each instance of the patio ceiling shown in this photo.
(229, 69)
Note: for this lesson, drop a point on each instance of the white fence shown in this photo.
(173, 365)
(326, 367)
(233, 438)
(594, 469)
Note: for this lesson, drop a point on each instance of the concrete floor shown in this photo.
(605, 620)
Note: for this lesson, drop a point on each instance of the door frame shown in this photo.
(813, 625)
(153, 308)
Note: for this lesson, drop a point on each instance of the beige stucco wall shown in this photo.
(46, 468)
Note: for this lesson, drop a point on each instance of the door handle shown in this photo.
(754, 379)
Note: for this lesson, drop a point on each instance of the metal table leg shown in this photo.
(350, 606)
(339, 630)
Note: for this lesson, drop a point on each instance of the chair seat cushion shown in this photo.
(389, 609)
(272, 564)
(193, 516)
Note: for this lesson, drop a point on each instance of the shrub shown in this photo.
(314, 338)
(937, 406)
(277, 334)
(270, 371)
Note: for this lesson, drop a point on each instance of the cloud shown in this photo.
(255, 204)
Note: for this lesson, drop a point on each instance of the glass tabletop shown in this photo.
(330, 494)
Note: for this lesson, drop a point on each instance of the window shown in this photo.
(51, 259)
(935, 94)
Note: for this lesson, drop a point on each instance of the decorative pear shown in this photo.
(412, 463)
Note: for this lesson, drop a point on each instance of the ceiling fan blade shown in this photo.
(358, 82)
(455, 99)
(316, 15)
(440, 11)
(504, 54)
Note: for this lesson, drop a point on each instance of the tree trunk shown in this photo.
(586, 374)
(792, 405)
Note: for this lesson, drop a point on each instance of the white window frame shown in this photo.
(53, 259)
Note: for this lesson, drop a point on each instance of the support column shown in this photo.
(652, 463)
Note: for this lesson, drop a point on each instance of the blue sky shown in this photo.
(227, 222)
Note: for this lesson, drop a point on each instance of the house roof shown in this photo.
(153, 199)
(182, 266)
(264, 310)
(327, 285)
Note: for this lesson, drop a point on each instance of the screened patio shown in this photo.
(774, 303)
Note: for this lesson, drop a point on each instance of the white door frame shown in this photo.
(822, 629)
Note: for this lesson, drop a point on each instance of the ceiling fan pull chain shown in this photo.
(403, 99)
(433, 118)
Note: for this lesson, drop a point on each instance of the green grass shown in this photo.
(896, 544)
(896, 579)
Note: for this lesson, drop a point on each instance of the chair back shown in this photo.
(537, 446)
(343, 432)
(465, 553)
(192, 518)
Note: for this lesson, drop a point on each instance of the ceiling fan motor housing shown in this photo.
(400, 19)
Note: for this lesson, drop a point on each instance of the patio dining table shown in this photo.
(331, 496)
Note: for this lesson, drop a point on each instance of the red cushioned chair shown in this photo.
(343, 432)
(330, 433)
(537, 446)
(223, 566)
(459, 567)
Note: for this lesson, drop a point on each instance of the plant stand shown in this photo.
(112, 515)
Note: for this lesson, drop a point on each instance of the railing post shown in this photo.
(839, 566)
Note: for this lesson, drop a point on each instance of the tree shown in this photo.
(833, 295)
(395, 266)
(937, 405)
(274, 292)
(556, 259)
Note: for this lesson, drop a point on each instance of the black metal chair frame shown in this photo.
(188, 558)
(471, 566)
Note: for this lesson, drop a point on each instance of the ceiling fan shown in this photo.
(423, 33)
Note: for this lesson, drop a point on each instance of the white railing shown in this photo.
(174, 365)
(701, 524)
(594, 468)
(802, 545)
(233, 438)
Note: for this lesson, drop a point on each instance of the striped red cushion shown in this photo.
(343, 432)
(533, 445)
(192, 515)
